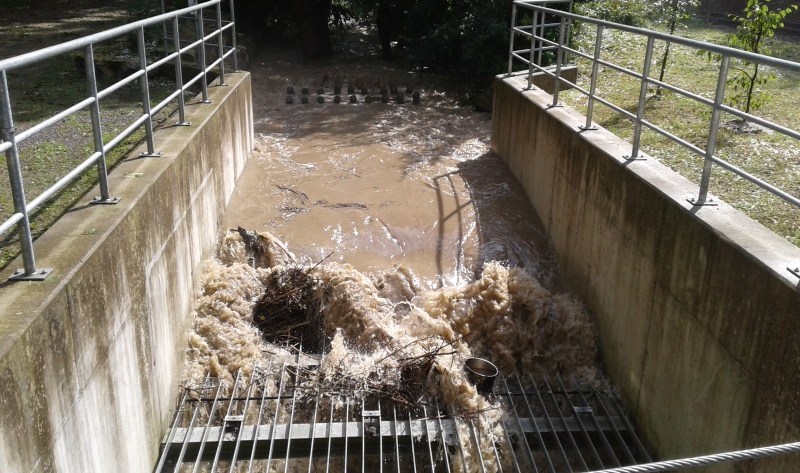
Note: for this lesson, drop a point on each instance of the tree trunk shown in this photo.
(312, 18)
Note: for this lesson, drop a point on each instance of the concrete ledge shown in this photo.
(698, 317)
(91, 356)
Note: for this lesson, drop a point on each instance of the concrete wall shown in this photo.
(698, 317)
(91, 356)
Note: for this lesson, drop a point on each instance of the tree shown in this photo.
(674, 13)
(312, 17)
(757, 24)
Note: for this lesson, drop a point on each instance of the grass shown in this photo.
(769, 156)
(41, 91)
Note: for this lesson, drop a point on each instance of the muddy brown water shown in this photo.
(383, 185)
(429, 249)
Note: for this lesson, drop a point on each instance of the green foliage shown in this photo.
(140, 10)
(672, 13)
(626, 12)
(465, 38)
(757, 24)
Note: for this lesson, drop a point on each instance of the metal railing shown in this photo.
(544, 21)
(11, 139)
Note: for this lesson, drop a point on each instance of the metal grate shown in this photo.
(563, 427)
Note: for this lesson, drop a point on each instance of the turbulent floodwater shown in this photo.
(411, 237)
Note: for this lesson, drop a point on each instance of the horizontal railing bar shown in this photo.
(165, 102)
(75, 44)
(91, 160)
(191, 81)
(161, 62)
(610, 105)
(685, 93)
(214, 64)
(760, 121)
(523, 59)
(764, 185)
(713, 48)
(674, 138)
(120, 84)
(47, 123)
(191, 46)
(10, 222)
(650, 80)
(124, 134)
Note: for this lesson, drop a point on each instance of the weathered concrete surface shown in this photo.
(698, 317)
(90, 357)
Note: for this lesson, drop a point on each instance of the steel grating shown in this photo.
(544, 427)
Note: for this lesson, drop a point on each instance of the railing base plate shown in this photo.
(101, 201)
(38, 275)
(708, 203)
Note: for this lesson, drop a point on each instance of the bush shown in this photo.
(626, 12)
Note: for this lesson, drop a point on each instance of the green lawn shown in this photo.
(767, 155)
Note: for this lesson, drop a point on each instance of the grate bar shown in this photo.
(556, 427)
(561, 417)
(442, 434)
(258, 422)
(583, 431)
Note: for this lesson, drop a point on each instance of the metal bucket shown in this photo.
(481, 373)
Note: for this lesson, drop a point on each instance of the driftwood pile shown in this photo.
(287, 313)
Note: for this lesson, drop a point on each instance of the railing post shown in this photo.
(97, 130)
(637, 128)
(29, 271)
(220, 49)
(145, 86)
(201, 56)
(598, 43)
(532, 50)
(711, 146)
(540, 49)
(233, 39)
(511, 39)
(176, 43)
(559, 60)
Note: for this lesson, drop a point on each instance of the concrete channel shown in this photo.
(696, 311)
